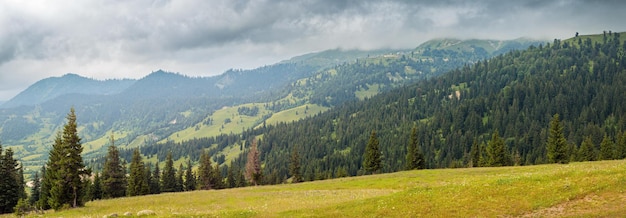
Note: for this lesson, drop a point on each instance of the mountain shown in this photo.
(50, 88)
(455, 115)
(164, 106)
(478, 46)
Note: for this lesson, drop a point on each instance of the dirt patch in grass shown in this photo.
(607, 204)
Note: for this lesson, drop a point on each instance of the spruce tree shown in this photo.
(204, 172)
(113, 175)
(606, 148)
(180, 183)
(155, 186)
(414, 157)
(35, 190)
(556, 146)
(294, 166)
(136, 179)
(497, 154)
(190, 178)
(230, 177)
(620, 150)
(44, 191)
(253, 164)
(168, 179)
(216, 177)
(9, 187)
(586, 151)
(66, 167)
(21, 183)
(475, 154)
(96, 188)
(372, 158)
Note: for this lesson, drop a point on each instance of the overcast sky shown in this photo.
(106, 39)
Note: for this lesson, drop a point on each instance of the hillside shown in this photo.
(50, 88)
(589, 189)
(166, 105)
(515, 94)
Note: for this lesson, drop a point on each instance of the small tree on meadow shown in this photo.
(372, 158)
(556, 145)
(253, 164)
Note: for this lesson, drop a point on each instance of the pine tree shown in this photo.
(136, 179)
(35, 190)
(606, 148)
(556, 145)
(497, 154)
(9, 194)
(372, 158)
(475, 154)
(253, 165)
(204, 172)
(586, 151)
(147, 177)
(294, 166)
(230, 177)
(96, 188)
(113, 175)
(190, 178)
(44, 191)
(179, 178)
(620, 150)
(168, 179)
(414, 157)
(66, 167)
(21, 183)
(155, 186)
(216, 177)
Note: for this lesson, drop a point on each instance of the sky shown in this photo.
(108, 39)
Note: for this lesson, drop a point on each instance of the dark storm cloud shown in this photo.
(112, 39)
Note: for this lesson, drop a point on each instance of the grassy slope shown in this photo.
(588, 189)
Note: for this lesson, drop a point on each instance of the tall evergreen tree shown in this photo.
(230, 177)
(606, 148)
(136, 179)
(21, 183)
(204, 172)
(620, 150)
(35, 189)
(96, 188)
(113, 175)
(372, 158)
(414, 156)
(253, 164)
(217, 178)
(556, 145)
(180, 183)
(586, 152)
(155, 186)
(294, 166)
(497, 154)
(44, 191)
(66, 167)
(475, 154)
(147, 177)
(168, 179)
(190, 178)
(9, 194)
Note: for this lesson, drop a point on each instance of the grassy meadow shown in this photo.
(589, 189)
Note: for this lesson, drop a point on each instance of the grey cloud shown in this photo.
(132, 38)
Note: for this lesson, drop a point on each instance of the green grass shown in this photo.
(587, 189)
(295, 114)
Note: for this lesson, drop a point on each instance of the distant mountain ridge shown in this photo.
(163, 104)
(491, 47)
(50, 88)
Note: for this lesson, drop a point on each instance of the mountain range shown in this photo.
(166, 106)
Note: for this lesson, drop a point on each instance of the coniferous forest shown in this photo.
(554, 103)
(508, 100)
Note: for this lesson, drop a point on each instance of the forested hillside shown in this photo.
(515, 94)
(163, 104)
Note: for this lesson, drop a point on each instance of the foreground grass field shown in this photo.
(590, 189)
